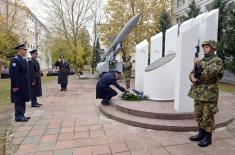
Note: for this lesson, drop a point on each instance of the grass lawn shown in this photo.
(5, 89)
(228, 88)
(6, 106)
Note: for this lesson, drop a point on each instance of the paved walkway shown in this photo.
(69, 123)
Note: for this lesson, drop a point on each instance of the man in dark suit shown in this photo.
(20, 83)
(103, 89)
(35, 78)
(63, 73)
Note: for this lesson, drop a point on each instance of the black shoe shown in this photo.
(206, 140)
(104, 102)
(27, 118)
(21, 119)
(199, 136)
(35, 106)
(38, 103)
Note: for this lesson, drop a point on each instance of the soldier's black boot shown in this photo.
(199, 136)
(206, 140)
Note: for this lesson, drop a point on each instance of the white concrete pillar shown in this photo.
(141, 62)
(184, 65)
(212, 19)
(156, 47)
(171, 40)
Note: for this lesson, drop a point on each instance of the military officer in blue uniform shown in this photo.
(35, 78)
(20, 91)
(103, 89)
(64, 70)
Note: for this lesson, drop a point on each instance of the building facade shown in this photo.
(180, 7)
(30, 29)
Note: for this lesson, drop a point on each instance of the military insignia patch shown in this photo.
(13, 64)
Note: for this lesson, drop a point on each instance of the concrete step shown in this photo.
(152, 109)
(222, 119)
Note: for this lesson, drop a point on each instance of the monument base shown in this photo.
(159, 116)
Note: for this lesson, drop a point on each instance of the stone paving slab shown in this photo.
(69, 123)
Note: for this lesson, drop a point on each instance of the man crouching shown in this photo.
(103, 89)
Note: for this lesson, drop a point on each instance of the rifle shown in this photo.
(196, 70)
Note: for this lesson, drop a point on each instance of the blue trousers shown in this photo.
(109, 96)
(33, 100)
(20, 109)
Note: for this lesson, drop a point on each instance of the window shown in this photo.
(180, 2)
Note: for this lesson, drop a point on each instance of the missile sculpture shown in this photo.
(106, 65)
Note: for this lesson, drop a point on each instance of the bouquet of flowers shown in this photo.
(134, 95)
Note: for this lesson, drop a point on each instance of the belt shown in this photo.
(207, 82)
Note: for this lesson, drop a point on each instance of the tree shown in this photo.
(97, 54)
(225, 31)
(228, 39)
(13, 17)
(222, 6)
(118, 12)
(164, 24)
(85, 43)
(7, 43)
(59, 46)
(193, 11)
(97, 11)
(66, 19)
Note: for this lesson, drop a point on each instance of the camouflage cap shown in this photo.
(212, 43)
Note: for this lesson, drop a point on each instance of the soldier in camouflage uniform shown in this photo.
(127, 72)
(205, 92)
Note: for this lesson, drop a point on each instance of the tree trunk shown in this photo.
(163, 43)
(0, 69)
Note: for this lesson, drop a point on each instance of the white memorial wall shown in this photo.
(184, 64)
(141, 62)
(191, 32)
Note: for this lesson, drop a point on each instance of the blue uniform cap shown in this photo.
(20, 46)
(33, 51)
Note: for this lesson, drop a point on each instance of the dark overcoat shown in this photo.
(63, 72)
(103, 88)
(35, 76)
(19, 76)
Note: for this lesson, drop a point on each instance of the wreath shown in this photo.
(134, 95)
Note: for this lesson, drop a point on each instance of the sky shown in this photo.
(36, 8)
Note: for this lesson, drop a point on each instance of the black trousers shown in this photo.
(63, 86)
(33, 100)
(20, 109)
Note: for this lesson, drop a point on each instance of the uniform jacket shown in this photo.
(127, 68)
(63, 72)
(102, 86)
(19, 76)
(212, 70)
(35, 76)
